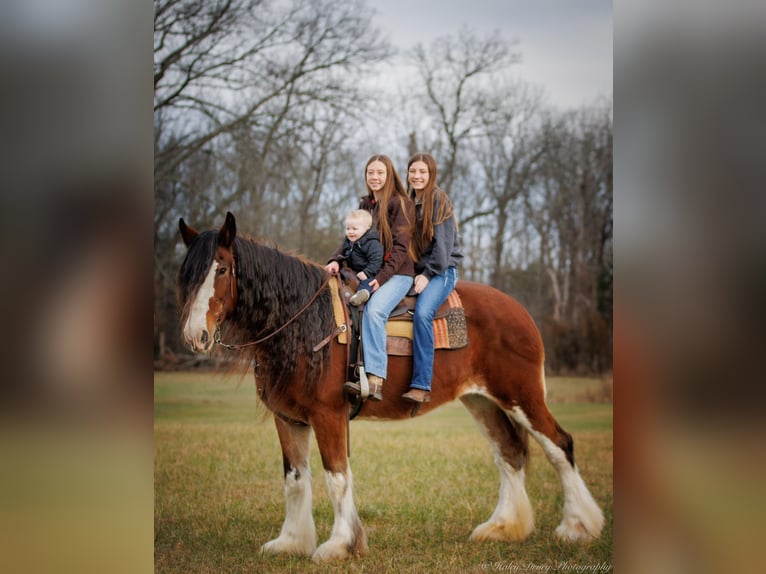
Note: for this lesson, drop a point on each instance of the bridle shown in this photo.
(217, 334)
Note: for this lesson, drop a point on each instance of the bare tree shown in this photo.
(454, 72)
(230, 66)
(237, 84)
(571, 209)
(508, 150)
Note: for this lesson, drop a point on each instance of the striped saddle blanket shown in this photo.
(450, 331)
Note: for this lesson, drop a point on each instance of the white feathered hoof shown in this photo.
(330, 551)
(288, 545)
(501, 531)
(341, 550)
(574, 529)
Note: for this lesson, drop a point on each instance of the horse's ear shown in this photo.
(189, 234)
(228, 231)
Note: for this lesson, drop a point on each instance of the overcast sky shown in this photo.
(565, 45)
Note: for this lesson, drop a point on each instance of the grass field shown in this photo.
(421, 486)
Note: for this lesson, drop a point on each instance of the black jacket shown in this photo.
(365, 254)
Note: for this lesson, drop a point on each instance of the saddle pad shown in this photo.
(450, 331)
(337, 308)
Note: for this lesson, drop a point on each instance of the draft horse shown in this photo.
(241, 290)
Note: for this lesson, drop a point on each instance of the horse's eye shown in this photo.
(222, 271)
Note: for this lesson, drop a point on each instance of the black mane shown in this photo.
(272, 287)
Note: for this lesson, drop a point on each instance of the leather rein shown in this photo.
(217, 334)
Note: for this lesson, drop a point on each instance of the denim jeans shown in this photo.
(429, 300)
(376, 313)
(365, 285)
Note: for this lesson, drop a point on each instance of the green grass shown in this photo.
(421, 486)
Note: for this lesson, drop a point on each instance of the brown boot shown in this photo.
(417, 395)
(374, 382)
(352, 387)
(376, 387)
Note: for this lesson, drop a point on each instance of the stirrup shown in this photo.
(376, 392)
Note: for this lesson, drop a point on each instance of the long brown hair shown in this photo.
(393, 188)
(423, 231)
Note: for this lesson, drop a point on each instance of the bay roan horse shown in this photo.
(241, 290)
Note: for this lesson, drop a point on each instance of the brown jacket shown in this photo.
(396, 261)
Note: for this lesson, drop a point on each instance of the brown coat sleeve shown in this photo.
(397, 261)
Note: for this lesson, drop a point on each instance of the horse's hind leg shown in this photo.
(298, 535)
(583, 519)
(513, 518)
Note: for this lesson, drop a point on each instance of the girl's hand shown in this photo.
(362, 275)
(421, 282)
(332, 267)
(374, 285)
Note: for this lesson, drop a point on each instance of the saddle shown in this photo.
(450, 331)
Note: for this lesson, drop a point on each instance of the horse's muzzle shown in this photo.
(202, 344)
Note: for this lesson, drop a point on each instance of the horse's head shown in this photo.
(207, 282)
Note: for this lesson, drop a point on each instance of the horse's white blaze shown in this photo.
(582, 518)
(298, 534)
(340, 488)
(196, 322)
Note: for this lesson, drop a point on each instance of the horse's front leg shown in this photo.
(347, 537)
(298, 535)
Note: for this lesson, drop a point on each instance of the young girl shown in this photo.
(435, 247)
(393, 215)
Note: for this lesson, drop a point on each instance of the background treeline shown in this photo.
(270, 109)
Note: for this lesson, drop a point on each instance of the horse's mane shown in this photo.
(272, 286)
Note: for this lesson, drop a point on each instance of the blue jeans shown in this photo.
(365, 285)
(429, 300)
(376, 313)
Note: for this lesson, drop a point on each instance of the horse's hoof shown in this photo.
(576, 531)
(501, 531)
(282, 546)
(327, 552)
